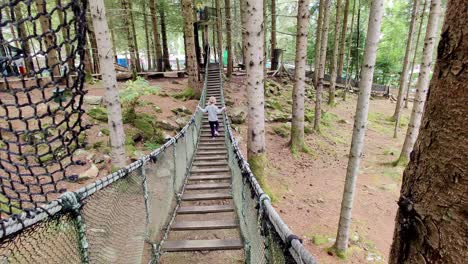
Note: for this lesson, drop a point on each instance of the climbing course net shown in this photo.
(123, 217)
(41, 92)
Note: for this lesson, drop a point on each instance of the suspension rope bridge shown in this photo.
(194, 194)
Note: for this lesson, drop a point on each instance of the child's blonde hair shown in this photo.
(212, 100)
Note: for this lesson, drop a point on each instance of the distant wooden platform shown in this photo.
(168, 74)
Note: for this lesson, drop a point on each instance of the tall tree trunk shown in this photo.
(255, 79)
(331, 97)
(192, 65)
(132, 23)
(228, 38)
(114, 50)
(66, 36)
(360, 124)
(297, 125)
(350, 47)
(156, 38)
(52, 59)
(219, 31)
(358, 27)
(130, 41)
(117, 135)
(273, 35)
(322, 61)
(25, 45)
(93, 43)
(343, 38)
(423, 81)
(243, 15)
(318, 42)
(404, 72)
(416, 47)
(431, 222)
(147, 38)
(166, 62)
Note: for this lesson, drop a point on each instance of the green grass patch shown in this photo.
(187, 94)
(150, 146)
(98, 113)
(105, 131)
(274, 104)
(319, 240)
(282, 130)
(393, 173)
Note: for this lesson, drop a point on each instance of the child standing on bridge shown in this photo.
(213, 112)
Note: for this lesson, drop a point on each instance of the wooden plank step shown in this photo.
(201, 245)
(212, 158)
(205, 209)
(218, 140)
(211, 147)
(208, 186)
(204, 153)
(210, 170)
(210, 177)
(210, 163)
(206, 196)
(204, 225)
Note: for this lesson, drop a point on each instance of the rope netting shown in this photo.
(123, 217)
(41, 93)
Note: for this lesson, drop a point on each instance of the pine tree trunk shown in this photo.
(147, 39)
(404, 72)
(132, 23)
(52, 59)
(229, 38)
(322, 61)
(343, 39)
(416, 46)
(93, 43)
(360, 124)
(166, 62)
(114, 50)
(25, 45)
(297, 125)
(130, 41)
(431, 222)
(273, 35)
(219, 31)
(350, 47)
(243, 14)
(117, 135)
(255, 79)
(66, 36)
(358, 27)
(318, 42)
(331, 97)
(192, 69)
(156, 38)
(423, 81)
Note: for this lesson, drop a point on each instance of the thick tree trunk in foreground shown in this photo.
(404, 72)
(416, 46)
(52, 59)
(156, 38)
(273, 35)
(228, 38)
(343, 39)
(422, 85)
(219, 32)
(318, 42)
(297, 125)
(191, 62)
(322, 61)
(331, 97)
(431, 223)
(165, 47)
(360, 124)
(117, 135)
(255, 79)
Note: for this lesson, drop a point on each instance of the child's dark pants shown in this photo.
(214, 125)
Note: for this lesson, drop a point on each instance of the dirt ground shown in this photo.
(307, 188)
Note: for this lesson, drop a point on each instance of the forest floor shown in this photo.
(307, 188)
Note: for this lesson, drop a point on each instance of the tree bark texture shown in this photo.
(117, 135)
(49, 39)
(130, 41)
(331, 97)
(192, 66)
(25, 45)
(322, 61)
(243, 14)
(343, 39)
(65, 35)
(156, 37)
(94, 47)
(318, 42)
(297, 125)
(255, 78)
(147, 37)
(431, 224)
(165, 47)
(348, 60)
(406, 61)
(132, 23)
(360, 123)
(274, 66)
(230, 65)
(219, 32)
(422, 85)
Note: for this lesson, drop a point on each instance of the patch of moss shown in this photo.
(319, 240)
(274, 104)
(98, 113)
(98, 145)
(393, 173)
(328, 119)
(282, 130)
(309, 115)
(105, 131)
(8, 206)
(402, 161)
(258, 165)
(187, 94)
